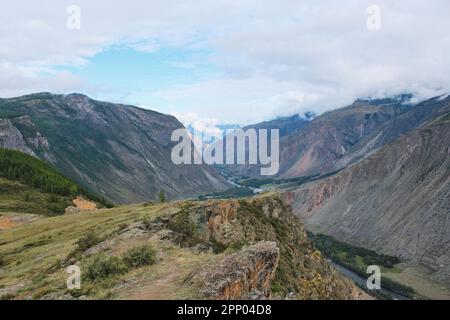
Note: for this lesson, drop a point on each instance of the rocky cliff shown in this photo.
(121, 152)
(397, 201)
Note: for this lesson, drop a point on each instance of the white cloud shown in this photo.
(277, 57)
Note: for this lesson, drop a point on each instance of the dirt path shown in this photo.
(162, 288)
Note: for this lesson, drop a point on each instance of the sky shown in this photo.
(217, 62)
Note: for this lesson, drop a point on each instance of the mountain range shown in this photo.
(121, 152)
(374, 174)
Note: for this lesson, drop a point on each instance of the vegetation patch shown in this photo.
(140, 256)
(183, 224)
(357, 259)
(20, 167)
(86, 242)
(235, 192)
(102, 266)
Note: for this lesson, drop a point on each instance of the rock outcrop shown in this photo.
(221, 225)
(247, 274)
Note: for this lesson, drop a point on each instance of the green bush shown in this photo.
(147, 222)
(140, 256)
(89, 240)
(102, 267)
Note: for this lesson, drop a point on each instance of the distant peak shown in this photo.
(401, 98)
(77, 95)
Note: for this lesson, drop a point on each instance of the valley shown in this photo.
(367, 184)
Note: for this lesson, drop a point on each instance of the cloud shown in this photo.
(275, 58)
(192, 120)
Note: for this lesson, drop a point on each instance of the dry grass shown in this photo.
(32, 254)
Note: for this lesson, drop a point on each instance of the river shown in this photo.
(360, 281)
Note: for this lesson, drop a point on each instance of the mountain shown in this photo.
(121, 152)
(396, 201)
(229, 249)
(339, 138)
(417, 116)
(286, 125)
(28, 185)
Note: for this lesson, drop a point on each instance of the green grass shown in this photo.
(235, 192)
(39, 177)
(34, 254)
(18, 197)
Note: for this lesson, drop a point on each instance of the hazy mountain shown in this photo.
(396, 201)
(286, 125)
(341, 137)
(121, 152)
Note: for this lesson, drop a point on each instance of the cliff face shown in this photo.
(121, 152)
(230, 249)
(287, 265)
(397, 201)
(247, 274)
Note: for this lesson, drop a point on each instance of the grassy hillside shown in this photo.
(19, 197)
(164, 251)
(31, 186)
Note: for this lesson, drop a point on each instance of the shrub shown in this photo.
(139, 256)
(89, 240)
(27, 197)
(101, 267)
(162, 197)
(147, 222)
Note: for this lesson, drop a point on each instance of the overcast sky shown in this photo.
(226, 61)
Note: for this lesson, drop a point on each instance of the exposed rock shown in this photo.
(12, 138)
(72, 209)
(243, 275)
(83, 204)
(232, 224)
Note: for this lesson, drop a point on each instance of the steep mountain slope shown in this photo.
(389, 131)
(316, 148)
(286, 125)
(397, 201)
(252, 248)
(317, 145)
(339, 138)
(28, 185)
(121, 152)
